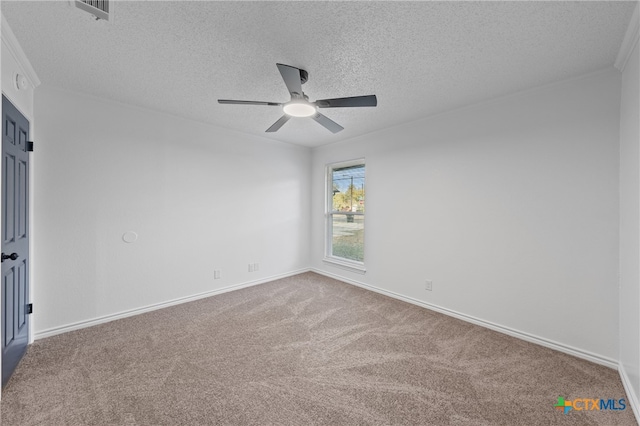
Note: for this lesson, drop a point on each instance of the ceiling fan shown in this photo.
(299, 105)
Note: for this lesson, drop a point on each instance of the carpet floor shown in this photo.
(303, 350)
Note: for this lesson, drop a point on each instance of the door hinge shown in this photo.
(30, 308)
(30, 146)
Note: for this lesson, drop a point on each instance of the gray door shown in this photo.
(15, 237)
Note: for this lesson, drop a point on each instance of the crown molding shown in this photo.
(10, 40)
(630, 40)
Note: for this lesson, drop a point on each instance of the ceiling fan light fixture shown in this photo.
(299, 109)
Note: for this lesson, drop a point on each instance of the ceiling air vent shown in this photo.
(98, 8)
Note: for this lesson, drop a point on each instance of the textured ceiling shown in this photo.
(419, 58)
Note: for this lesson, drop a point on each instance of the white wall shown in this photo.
(510, 207)
(630, 224)
(200, 198)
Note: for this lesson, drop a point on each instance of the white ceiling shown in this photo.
(419, 58)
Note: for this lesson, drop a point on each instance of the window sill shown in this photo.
(349, 266)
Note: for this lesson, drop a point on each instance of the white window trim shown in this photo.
(352, 266)
(340, 262)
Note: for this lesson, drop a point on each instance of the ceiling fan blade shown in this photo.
(331, 125)
(291, 77)
(355, 101)
(275, 126)
(234, 102)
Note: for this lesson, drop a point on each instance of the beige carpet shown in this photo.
(300, 351)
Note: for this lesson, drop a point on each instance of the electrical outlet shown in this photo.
(428, 285)
(256, 266)
(251, 267)
(216, 274)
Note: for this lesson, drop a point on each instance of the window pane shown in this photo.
(348, 189)
(348, 237)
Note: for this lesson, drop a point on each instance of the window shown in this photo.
(345, 214)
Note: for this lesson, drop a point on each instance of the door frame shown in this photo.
(16, 63)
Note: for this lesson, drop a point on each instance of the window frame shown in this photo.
(341, 262)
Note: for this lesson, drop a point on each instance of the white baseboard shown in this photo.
(124, 314)
(589, 356)
(632, 398)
